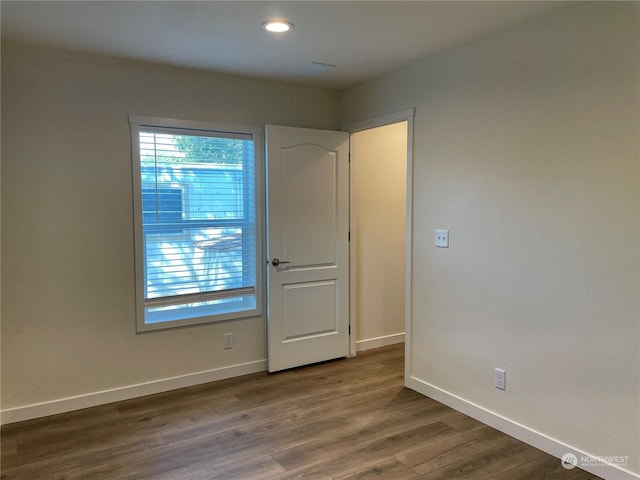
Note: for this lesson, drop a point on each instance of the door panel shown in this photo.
(310, 187)
(301, 323)
(308, 227)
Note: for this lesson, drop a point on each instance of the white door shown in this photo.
(308, 246)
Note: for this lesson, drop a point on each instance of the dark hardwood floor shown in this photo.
(347, 419)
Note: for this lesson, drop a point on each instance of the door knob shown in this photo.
(276, 261)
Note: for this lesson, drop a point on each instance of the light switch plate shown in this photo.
(442, 238)
(500, 379)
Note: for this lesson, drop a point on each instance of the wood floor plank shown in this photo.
(481, 465)
(542, 469)
(444, 451)
(350, 419)
(326, 447)
(389, 470)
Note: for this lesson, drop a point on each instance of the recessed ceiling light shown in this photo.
(277, 26)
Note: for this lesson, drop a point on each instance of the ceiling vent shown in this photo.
(316, 68)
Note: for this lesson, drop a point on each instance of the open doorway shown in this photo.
(379, 185)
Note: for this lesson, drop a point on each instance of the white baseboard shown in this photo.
(532, 437)
(379, 341)
(78, 402)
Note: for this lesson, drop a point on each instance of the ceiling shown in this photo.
(363, 39)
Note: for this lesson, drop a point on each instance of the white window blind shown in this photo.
(198, 223)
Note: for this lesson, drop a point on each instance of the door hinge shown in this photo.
(349, 329)
(349, 237)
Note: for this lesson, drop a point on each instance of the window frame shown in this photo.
(138, 123)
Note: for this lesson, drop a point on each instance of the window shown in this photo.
(196, 222)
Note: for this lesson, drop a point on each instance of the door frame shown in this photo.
(401, 116)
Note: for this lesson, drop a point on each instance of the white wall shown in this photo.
(526, 146)
(378, 178)
(68, 325)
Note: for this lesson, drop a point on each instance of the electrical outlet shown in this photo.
(442, 238)
(500, 379)
(228, 340)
